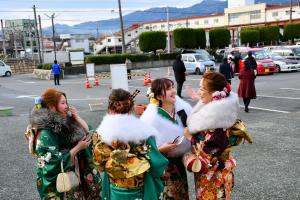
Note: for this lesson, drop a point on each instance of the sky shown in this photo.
(72, 12)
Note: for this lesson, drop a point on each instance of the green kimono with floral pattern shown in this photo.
(49, 157)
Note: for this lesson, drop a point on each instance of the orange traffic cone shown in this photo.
(145, 80)
(96, 83)
(149, 78)
(87, 83)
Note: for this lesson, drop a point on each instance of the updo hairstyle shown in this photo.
(214, 81)
(120, 101)
(159, 87)
(51, 98)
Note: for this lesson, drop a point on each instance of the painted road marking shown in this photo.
(31, 82)
(26, 96)
(289, 88)
(290, 98)
(265, 109)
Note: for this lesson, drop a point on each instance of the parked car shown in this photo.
(265, 65)
(199, 51)
(5, 69)
(284, 64)
(197, 63)
(290, 52)
(219, 55)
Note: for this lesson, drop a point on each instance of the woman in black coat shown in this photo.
(226, 70)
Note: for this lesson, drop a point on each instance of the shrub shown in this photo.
(291, 31)
(45, 66)
(219, 38)
(185, 38)
(152, 41)
(250, 36)
(269, 34)
(200, 38)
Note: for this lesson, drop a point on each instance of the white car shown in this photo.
(5, 69)
(284, 64)
(197, 63)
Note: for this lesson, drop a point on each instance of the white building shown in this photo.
(239, 14)
(75, 42)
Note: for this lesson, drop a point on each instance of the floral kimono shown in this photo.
(214, 136)
(125, 150)
(170, 127)
(51, 142)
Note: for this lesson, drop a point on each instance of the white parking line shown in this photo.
(265, 109)
(31, 82)
(289, 89)
(290, 98)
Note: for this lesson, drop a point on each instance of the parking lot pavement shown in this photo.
(267, 169)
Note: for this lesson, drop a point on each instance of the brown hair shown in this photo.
(214, 81)
(159, 87)
(120, 101)
(51, 97)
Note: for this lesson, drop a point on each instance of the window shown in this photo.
(178, 25)
(255, 14)
(206, 21)
(191, 59)
(274, 14)
(184, 58)
(108, 40)
(34, 43)
(216, 21)
(129, 35)
(147, 28)
(27, 43)
(154, 27)
(162, 26)
(120, 40)
(196, 22)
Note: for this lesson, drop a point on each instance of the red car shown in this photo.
(265, 65)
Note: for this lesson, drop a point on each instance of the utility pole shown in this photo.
(15, 41)
(41, 37)
(37, 35)
(97, 31)
(291, 11)
(122, 28)
(53, 34)
(168, 38)
(3, 38)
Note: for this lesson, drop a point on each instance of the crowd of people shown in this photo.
(146, 157)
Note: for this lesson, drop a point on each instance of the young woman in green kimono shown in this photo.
(57, 135)
(125, 149)
(167, 113)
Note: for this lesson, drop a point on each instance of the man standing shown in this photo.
(179, 72)
(56, 72)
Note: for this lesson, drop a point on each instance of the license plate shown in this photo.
(267, 70)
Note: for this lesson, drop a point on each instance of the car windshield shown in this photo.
(296, 51)
(260, 55)
(201, 57)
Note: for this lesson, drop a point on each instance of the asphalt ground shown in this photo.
(267, 169)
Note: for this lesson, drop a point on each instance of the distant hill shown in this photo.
(206, 7)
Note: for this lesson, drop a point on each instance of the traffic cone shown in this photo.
(87, 83)
(149, 78)
(145, 80)
(96, 83)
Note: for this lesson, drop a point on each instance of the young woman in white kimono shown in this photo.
(168, 113)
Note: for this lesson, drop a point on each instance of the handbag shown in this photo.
(66, 181)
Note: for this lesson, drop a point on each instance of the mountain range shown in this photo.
(203, 8)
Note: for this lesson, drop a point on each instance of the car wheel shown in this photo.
(8, 74)
(198, 71)
(278, 68)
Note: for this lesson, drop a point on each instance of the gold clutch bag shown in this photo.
(66, 181)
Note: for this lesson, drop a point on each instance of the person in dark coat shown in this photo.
(251, 61)
(247, 88)
(226, 70)
(179, 72)
(56, 72)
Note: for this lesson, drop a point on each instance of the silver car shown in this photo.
(197, 63)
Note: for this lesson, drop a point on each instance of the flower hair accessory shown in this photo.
(151, 97)
(217, 95)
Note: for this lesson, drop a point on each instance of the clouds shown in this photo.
(77, 11)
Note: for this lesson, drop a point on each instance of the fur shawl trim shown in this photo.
(216, 114)
(168, 131)
(124, 128)
(66, 128)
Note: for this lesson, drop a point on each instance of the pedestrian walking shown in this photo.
(212, 139)
(168, 113)
(56, 72)
(226, 70)
(179, 72)
(246, 87)
(125, 150)
(60, 140)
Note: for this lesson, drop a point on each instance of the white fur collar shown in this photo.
(168, 131)
(216, 114)
(125, 128)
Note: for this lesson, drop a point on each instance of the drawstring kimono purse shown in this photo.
(66, 181)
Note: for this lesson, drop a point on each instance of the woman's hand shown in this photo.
(82, 144)
(76, 116)
(187, 134)
(74, 112)
(165, 148)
